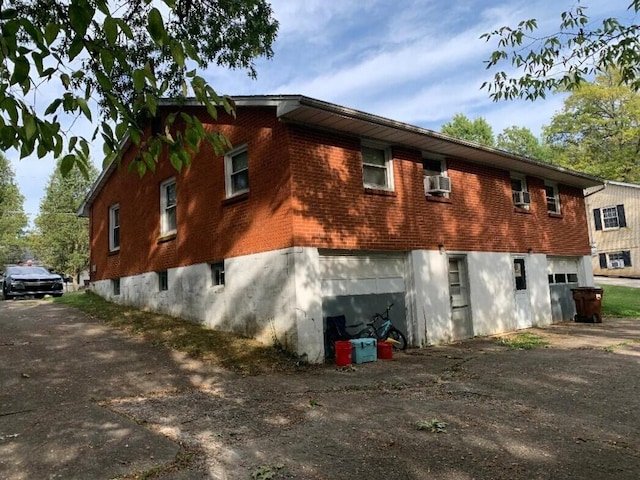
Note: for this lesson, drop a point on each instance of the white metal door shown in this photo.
(461, 322)
(522, 299)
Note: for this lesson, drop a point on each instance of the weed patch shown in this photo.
(523, 341)
(240, 354)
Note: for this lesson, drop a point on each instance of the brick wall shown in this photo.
(333, 210)
(306, 190)
(209, 227)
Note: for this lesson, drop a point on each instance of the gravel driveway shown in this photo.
(569, 411)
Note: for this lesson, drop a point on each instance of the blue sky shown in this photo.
(415, 61)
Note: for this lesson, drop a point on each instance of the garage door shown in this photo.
(563, 276)
(357, 286)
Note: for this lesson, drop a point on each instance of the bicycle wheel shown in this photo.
(400, 342)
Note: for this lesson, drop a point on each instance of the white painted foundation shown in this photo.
(278, 295)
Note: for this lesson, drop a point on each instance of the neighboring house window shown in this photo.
(217, 274)
(519, 191)
(376, 167)
(436, 182)
(115, 286)
(168, 206)
(114, 227)
(609, 218)
(163, 280)
(520, 273)
(615, 259)
(236, 169)
(553, 199)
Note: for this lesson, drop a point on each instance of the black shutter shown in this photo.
(603, 260)
(622, 221)
(626, 256)
(597, 218)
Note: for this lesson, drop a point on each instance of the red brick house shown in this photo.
(319, 209)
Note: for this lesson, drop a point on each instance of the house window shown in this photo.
(114, 228)
(553, 199)
(436, 182)
(609, 218)
(519, 191)
(217, 274)
(376, 168)
(572, 278)
(236, 167)
(163, 281)
(115, 286)
(520, 273)
(560, 278)
(615, 259)
(168, 206)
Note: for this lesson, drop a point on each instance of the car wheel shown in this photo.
(39, 295)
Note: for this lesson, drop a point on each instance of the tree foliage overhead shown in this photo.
(126, 56)
(517, 140)
(565, 59)
(521, 141)
(13, 220)
(598, 130)
(477, 130)
(61, 238)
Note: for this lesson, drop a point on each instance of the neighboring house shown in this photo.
(320, 210)
(614, 227)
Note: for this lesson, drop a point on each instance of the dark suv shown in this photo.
(30, 281)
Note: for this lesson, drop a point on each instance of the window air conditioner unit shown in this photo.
(437, 184)
(521, 199)
(617, 263)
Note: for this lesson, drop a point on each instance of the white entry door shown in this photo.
(461, 321)
(522, 299)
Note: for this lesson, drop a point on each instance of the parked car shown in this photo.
(19, 281)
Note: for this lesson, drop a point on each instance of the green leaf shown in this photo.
(110, 28)
(152, 104)
(76, 47)
(66, 164)
(125, 28)
(139, 80)
(155, 26)
(82, 103)
(107, 59)
(8, 13)
(20, 71)
(177, 52)
(80, 15)
(30, 127)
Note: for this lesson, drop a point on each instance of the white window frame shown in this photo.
(113, 227)
(217, 274)
(388, 166)
(615, 257)
(164, 208)
(556, 196)
(163, 280)
(229, 173)
(613, 208)
(430, 173)
(524, 188)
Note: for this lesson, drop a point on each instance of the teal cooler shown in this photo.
(363, 350)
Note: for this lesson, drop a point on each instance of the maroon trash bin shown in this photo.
(588, 302)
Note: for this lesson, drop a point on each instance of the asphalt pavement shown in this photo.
(617, 281)
(58, 367)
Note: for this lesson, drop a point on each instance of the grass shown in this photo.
(240, 354)
(523, 341)
(620, 302)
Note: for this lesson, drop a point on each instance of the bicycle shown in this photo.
(385, 330)
(337, 329)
